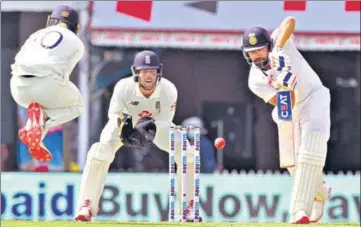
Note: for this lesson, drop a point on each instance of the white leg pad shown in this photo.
(308, 174)
(99, 158)
(322, 194)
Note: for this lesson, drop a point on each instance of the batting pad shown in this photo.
(94, 175)
(308, 174)
(322, 193)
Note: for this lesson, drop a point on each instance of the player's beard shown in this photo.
(262, 62)
(148, 85)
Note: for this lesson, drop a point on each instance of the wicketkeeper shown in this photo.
(141, 112)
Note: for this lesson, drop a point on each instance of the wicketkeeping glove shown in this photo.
(146, 127)
(141, 135)
(125, 125)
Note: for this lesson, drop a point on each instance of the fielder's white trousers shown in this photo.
(60, 100)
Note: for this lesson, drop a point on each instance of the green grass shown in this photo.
(153, 224)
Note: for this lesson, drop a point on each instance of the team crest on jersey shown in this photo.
(145, 113)
(157, 106)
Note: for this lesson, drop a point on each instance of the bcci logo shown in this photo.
(65, 14)
(252, 39)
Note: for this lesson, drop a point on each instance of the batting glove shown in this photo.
(280, 61)
(285, 80)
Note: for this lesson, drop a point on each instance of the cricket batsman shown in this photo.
(40, 79)
(147, 101)
(277, 64)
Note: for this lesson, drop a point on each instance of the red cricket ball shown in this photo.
(219, 143)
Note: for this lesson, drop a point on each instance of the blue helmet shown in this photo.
(253, 39)
(64, 14)
(146, 60)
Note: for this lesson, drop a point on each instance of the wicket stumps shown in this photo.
(183, 163)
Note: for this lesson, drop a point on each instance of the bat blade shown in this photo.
(285, 129)
(286, 145)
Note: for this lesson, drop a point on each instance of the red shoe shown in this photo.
(23, 135)
(301, 218)
(85, 212)
(32, 135)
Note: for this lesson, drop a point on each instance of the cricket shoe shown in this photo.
(85, 212)
(318, 205)
(190, 213)
(300, 217)
(31, 134)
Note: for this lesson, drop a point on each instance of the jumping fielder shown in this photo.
(274, 68)
(40, 79)
(147, 101)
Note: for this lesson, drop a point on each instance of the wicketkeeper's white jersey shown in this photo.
(161, 105)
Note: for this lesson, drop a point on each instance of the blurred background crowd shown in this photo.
(206, 65)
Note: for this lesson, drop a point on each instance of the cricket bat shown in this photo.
(284, 105)
(285, 129)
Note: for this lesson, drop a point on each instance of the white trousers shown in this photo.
(60, 100)
(311, 120)
(310, 115)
